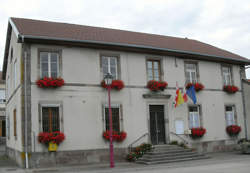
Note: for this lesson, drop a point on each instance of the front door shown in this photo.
(157, 124)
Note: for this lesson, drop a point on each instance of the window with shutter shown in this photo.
(50, 119)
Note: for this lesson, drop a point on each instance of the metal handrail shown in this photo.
(183, 139)
(131, 145)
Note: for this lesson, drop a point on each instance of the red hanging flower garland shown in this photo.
(117, 136)
(198, 132)
(55, 137)
(116, 84)
(197, 86)
(157, 85)
(230, 89)
(233, 130)
(50, 82)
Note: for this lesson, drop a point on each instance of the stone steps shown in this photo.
(169, 154)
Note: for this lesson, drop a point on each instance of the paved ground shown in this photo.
(218, 163)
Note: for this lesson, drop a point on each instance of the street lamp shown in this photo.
(108, 78)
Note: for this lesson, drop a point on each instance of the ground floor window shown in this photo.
(116, 117)
(50, 118)
(2, 126)
(194, 117)
(230, 115)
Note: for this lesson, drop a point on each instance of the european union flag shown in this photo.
(191, 93)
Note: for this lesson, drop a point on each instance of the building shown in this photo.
(82, 55)
(2, 112)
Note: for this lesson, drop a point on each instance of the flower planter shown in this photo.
(197, 86)
(197, 133)
(233, 130)
(50, 82)
(117, 136)
(52, 147)
(157, 85)
(116, 84)
(230, 89)
(138, 152)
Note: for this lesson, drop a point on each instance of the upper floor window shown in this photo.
(49, 64)
(2, 96)
(227, 75)
(191, 73)
(110, 65)
(50, 119)
(15, 74)
(194, 117)
(153, 70)
(14, 123)
(11, 54)
(116, 117)
(230, 115)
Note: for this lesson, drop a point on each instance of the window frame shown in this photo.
(231, 73)
(199, 113)
(114, 105)
(234, 114)
(50, 104)
(118, 64)
(59, 65)
(2, 101)
(15, 73)
(197, 71)
(160, 71)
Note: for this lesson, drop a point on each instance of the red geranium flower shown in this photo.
(117, 136)
(116, 84)
(50, 82)
(198, 132)
(157, 85)
(197, 86)
(233, 130)
(230, 89)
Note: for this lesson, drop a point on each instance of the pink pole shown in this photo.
(111, 148)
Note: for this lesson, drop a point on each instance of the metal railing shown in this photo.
(180, 137)
(138, 139)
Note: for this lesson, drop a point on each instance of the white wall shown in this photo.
(13, 95)
(82, 105)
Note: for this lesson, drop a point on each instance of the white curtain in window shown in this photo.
(194, 120)
(230, 118)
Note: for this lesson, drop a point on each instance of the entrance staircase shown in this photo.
(168, 154)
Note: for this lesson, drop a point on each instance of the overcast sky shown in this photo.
(222, 23)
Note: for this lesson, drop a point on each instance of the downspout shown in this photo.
(25, 110)
(243, 100)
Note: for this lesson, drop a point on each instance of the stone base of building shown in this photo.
(59, 158)
(216, 146)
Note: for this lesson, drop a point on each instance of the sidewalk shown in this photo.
(217, 159)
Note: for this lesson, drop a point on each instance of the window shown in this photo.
(2, 96)
(109, 65)
(50, 119)
(153, 70)
(194, 117)
(8, 127)
(15, 75)
(11, 54)
(2, 126)
(14, 121)
(226, 75)
(230, 115)
(191, 73)
(49, 64)
(115, 117)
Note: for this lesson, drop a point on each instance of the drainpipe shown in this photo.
(243, 99)
(25, 110)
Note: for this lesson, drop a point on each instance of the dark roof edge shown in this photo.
(247, 62)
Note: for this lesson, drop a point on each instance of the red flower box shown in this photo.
(55, 137)
(116, 84)
(197, 86)
(50, 82)
(230, 89)
(233, 130)
(117, 136)
(157, 85)
(198, 132)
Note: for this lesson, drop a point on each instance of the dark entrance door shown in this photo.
(157, 124)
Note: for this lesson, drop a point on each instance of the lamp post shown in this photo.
(108, 81)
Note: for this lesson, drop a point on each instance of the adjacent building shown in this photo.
(2, 112)
(82, 56)
(246, 86)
